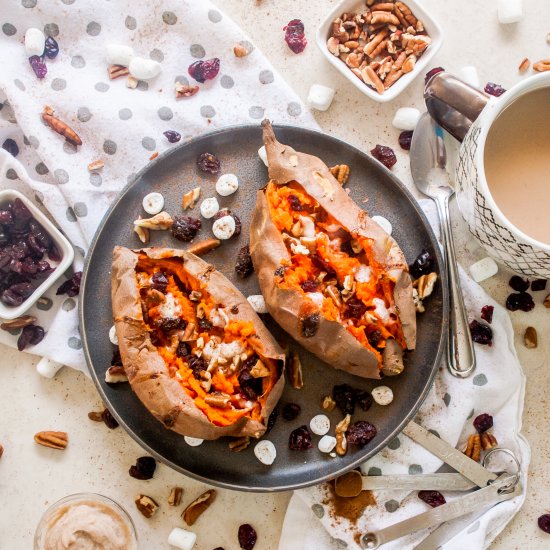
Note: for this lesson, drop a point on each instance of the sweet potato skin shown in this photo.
(147, 372)
(332, 342)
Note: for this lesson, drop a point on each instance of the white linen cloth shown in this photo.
(122, 126)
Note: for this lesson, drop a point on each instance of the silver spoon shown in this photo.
(428, 159)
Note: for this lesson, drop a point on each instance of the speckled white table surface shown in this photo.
(97, 459)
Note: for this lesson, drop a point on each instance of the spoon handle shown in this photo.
(460, 349)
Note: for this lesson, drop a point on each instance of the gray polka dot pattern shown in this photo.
(44, 304)
(415, 469)
(70, 214)
(41, 169)
(165, 113)
(68, 2)
(374, 471)
(77, 61)
(11, 174)
(8, 29)
(61, 175)
(28, 3)
(69, 304)
(142, 86)
(207, 111)
(318, 510)
(447, 399)
(109, 147)
(93, 28)
(394, 444)
(226, 82)
(169, 17)
(294, 109)
(215, 16)
(266, 77)
(69, 148)
(148, 143)
(95, 179)
(83, 114)
(80, 209)
(197, 51)
(19, 84)
(59, 84)
(51, 29)
(156, 55)
(340, 544)
(480, 380)
(33, 142)
(256, 112)
(101, 87)
(125, 114)
(74, 343)
(391, 505)
(130, 23)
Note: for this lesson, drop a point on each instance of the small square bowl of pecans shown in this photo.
(379, 46)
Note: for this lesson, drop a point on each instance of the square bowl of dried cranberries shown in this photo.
(380, 46)
(33, 254)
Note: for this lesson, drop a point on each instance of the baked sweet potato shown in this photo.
(330, 276)
(195, 352)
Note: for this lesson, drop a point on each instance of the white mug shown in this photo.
(468, 114)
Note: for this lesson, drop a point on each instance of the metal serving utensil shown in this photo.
(428, 159)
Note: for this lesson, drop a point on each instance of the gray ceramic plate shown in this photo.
(174, 173)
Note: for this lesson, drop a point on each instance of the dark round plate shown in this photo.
(176, 172)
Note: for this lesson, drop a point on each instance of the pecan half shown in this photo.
(116, 71)
(240, 51)
(542, 66)
(146, 505)
(198, 507)
(96, 416)
(425, 285)
(524, 65)
(203, 247)
(239, 444)
(473, 447)
(183, 90)
(530, 337)
(20, 322)
(60, 127)
(488, 441)
(96, 165)
(174, 498)
(295, 371)
(54, 440)
(340, 434)
(341, 173)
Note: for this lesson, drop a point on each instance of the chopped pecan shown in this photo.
(203, 247)
(217, 399)
(54, 440)
(159, 222)
(198, 506)
(341, 173)
(146, 505)
(115, 375)
(19, 322)
(328, 404)
(542, 66)
(259, 370)
(190, 198)
(240, 51)
(116, 71)
(524, 65)
(96, 416)
(132, 82)
(530, 337)
(488, 441)
(142, 232)
(425, 284)
(340, 434)
(239, 444)
(96, 165)
(295, 371)
(183, 90)
(60, 127)
(473, 447)
(174, 498)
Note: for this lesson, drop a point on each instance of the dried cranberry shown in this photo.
(423, 264)
(309, 286)
(433, 72)
(155, 338)
(54, 254)
(291, 411)
(544, 523)
(385, 155)
(432, 498)
(483, 422)
(374, 337)
(226, 212)
(271, 420)
(204, 70)
(208, 162)
(243, 265)
(360, 433)
(167, 324)
(405, 139)
(51, 48)
(344, 396)
(197, 365)
(538, 284)
(6, 217)
(71, 287)
(144, 468)
(481, 333)
(519, 284)
(309, 325)
(295, 204)
(17, 293)
(20, 212)
(38, 66)
(159, 281)
(487, 313)
(183, 349)
(364, 399)
(494, 89)
(11, 147)
(204, 324)
(321, 265)
(294, 36)
(185, 228)
(520, 300)
(172, 136)
(300, 439)
(247, 536)
(250, 387)
(108, 419)
(30, 336)
(355, 308)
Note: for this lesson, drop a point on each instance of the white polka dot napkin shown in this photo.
(122, 126)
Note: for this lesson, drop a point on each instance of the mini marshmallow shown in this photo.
(485, 268)
(193, 441)
(117, 54)
(209, 207)
(262, 153)
(227, 184)
(153, 203)
(470, 76)
(383, 223)
(265, 452)
(180, 538)
(320, 424)
(112, 336)
(406, 118)
(326, 444)
(144, 69)
(320, 97)
(509, 11)
(224, 228)
(47, 368)
(257, 301)
(35, 41)
(382, 395)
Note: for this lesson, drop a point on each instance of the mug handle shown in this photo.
(453, 104)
